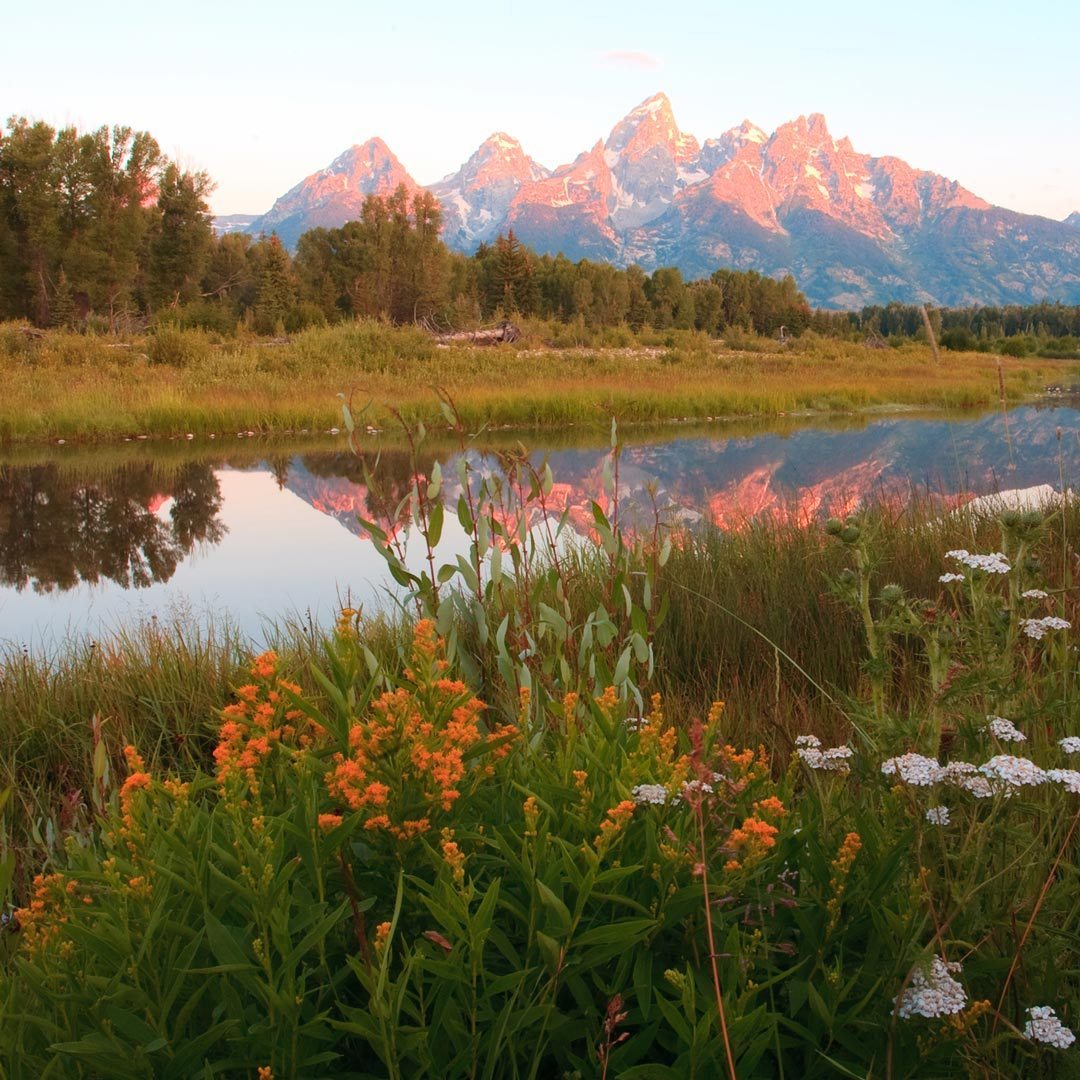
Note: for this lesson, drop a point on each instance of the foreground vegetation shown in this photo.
(179, 382)
(514, 834)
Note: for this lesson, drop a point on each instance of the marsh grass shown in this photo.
(77, 386)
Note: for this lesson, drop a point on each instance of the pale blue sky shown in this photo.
(261, 94)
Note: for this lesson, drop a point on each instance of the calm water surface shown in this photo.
(95, 540)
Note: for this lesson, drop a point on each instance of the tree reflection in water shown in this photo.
(58, 529)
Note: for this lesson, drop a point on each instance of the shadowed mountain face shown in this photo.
(852, 229)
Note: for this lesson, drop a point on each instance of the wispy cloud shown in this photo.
(631, 58)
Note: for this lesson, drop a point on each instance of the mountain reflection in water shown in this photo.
(250, 533)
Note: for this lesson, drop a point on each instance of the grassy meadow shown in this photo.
(175, 382)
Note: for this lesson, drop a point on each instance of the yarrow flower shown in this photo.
(1034, 594)
(932, 993)
(1069, 778)
(834, 759)
(938, 815)
(1014, 771)
(913, 769)
(656, 794)
(1045, 1027)
(995, 563)
(1004, 730)
(1070, 744)
(947, 579)
(1037, 628)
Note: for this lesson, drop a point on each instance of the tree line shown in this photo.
(102, 229)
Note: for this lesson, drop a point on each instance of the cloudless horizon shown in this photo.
(261, 96)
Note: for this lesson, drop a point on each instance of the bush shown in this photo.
(175, 347)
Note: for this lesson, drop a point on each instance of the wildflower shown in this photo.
(327, 822)
(1004, 730)
(1034, 594)
(1036, 628)
(265, 1073)
(1070, 744)
(913, 769)
(656, 794)
(834, 759)
(691, 787)
(1014, 771)
(995, 563)
(771, 806)
(532, 815)
(938, 815)
(613, 824)
(265, 664)
(946, 579)
(1045, 1027)
(454, 858)
(1069, 778)
(382, 936)
(932, 993)
(750, 841)
(841, 868)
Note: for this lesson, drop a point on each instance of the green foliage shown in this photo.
(495, 851)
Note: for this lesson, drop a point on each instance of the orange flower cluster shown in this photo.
(613, 824)
(258, 722)
(138, 779)
(40, 922)
(841, 867)
(454, 857)
(750, 842)
(655, 758)
(407, 758)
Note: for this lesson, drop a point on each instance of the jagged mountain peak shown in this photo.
(852, 228)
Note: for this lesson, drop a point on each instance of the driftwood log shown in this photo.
(504, 333)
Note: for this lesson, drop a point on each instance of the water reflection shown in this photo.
(59, 528)
(260, 531)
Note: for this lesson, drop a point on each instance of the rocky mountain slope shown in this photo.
(852, 229)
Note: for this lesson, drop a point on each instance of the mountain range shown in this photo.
(851, 228)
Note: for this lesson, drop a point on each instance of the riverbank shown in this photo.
(187, 383)
(466, 835)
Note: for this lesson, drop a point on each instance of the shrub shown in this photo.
(175, 347)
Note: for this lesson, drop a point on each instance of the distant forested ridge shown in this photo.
(100, 230)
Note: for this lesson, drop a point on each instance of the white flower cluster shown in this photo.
(913, 769)
(1014, 771)
(947, 579)
(654, 794)
(1036, 628)
(933, 993)
(995, 563)
(1004, 730)
(1034, 594)
(696, 785)
(834, 759)
(1070, 744)
(938, 815)
(1068, 778)
(1045, 1027)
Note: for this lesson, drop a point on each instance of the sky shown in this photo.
(262, 94)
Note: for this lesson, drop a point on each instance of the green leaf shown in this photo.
(550, 950)
(554, 905)
(435, 523)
